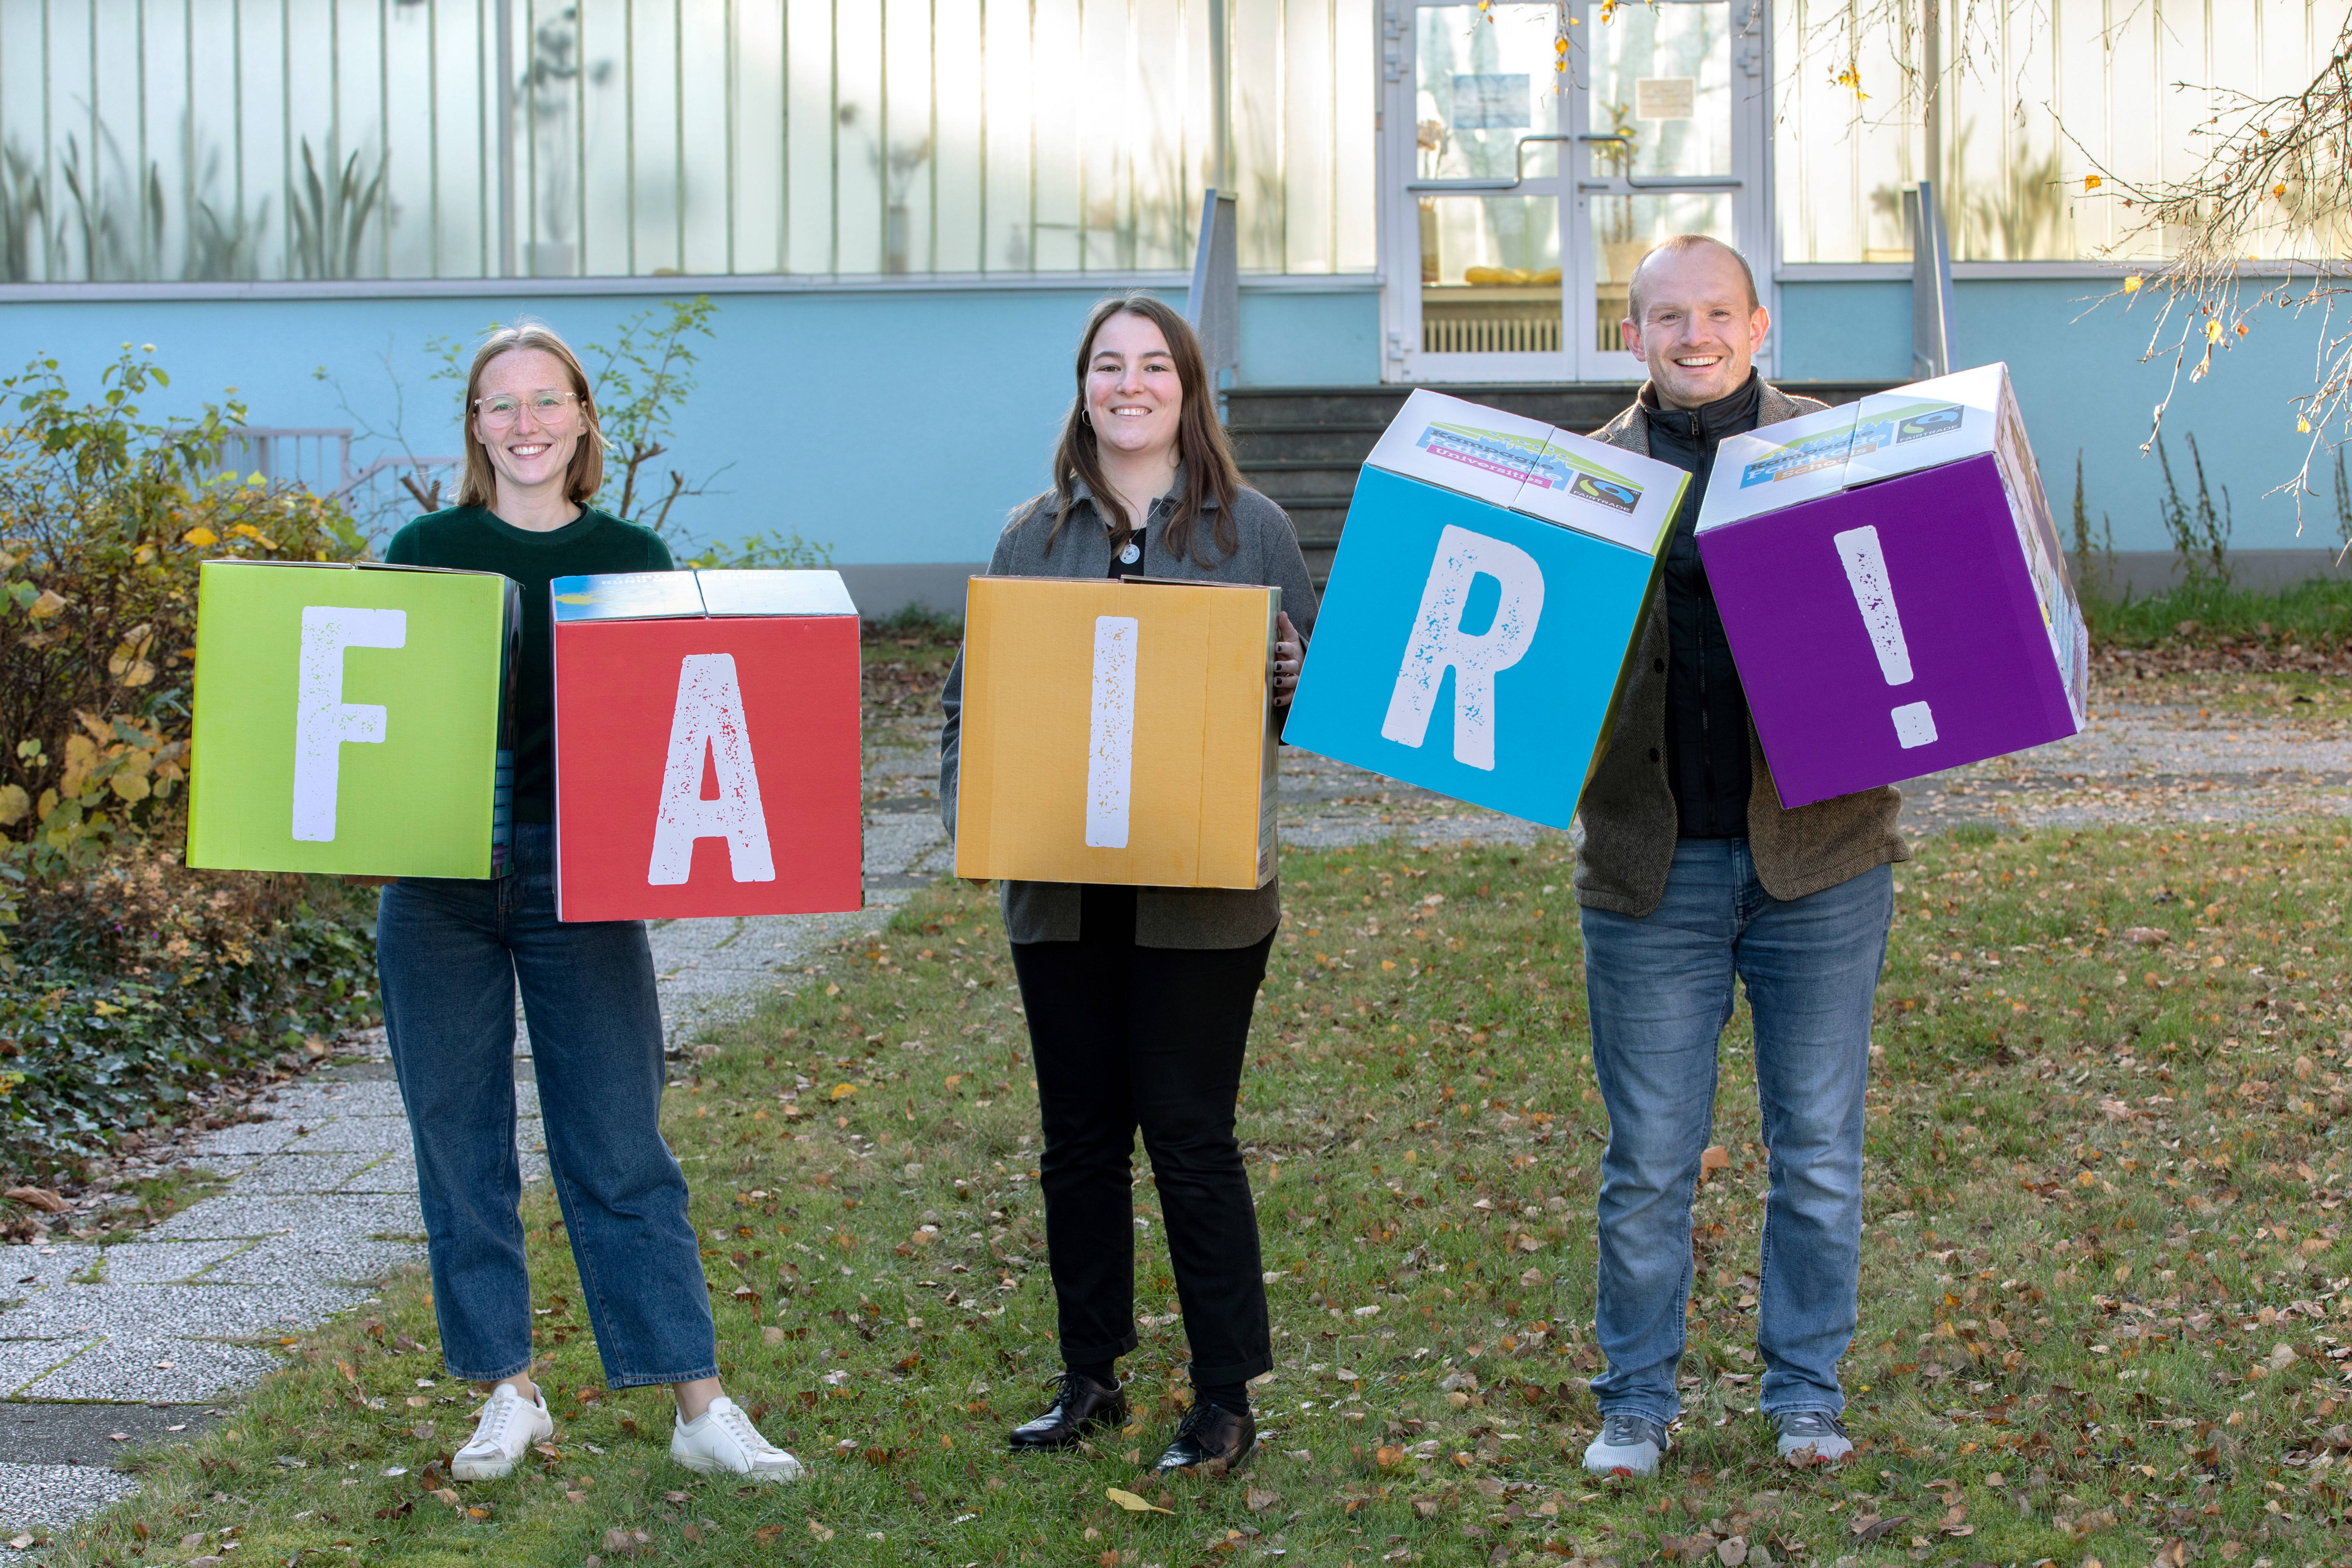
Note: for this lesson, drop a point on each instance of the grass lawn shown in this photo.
(2102, 1306)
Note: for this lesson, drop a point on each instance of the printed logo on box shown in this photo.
(1800, 457)
(1495, 451)
(1534, 462)
(1930, 422)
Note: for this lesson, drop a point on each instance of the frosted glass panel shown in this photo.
(377, 139)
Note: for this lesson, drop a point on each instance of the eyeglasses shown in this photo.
(504, 409)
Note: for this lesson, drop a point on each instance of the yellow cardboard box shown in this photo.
(1117, 732)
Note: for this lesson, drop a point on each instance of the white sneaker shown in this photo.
(1812, 1438)
(722, 1441)
(510, 1425)
(1629, 1444)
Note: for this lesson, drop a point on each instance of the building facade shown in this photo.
(903, 209)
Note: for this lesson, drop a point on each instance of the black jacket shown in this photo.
(1707, 709)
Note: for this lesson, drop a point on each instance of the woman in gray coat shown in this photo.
(1138, 999)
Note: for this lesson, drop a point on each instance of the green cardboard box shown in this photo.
(350, 719)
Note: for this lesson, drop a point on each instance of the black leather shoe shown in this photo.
(1080, 1405)
(1213, 1438)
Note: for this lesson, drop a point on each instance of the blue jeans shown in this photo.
(450, 955)
(1661, 990)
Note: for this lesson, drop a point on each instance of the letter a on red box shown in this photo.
(706, 745)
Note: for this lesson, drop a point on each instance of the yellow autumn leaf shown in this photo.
(2131, 284)
(2278, 190)
(1132, 1503)
(15, 805)
(2303, 426)
(200, 537)
(130, 786)
(2092, 182)
(81, 755)
(48, 605)
(2212, 331)
(844, 1090)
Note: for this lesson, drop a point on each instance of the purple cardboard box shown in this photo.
(1892, 586)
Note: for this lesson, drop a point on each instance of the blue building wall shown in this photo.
(2082, 385)
(899, 425)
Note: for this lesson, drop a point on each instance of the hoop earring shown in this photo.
(1086, 416)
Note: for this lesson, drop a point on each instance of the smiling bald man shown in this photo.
(1691, 878)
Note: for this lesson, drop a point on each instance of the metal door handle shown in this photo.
(1663, 183)
(1519, 165)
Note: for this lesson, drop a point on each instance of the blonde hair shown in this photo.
(587, 476)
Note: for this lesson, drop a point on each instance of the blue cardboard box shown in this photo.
(1489, 587)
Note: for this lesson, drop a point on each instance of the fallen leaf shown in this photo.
(1132, 1503)
(1258, 1500)
(1388, 1456)
(22, 1542)
(40, 1198)
(844, 1090)
(822, 1532)
(1866, 1530)
(1731, 1552)
(1712, 1160)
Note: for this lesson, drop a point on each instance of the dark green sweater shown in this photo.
(472, 538)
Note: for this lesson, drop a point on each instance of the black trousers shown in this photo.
(1150, 1037)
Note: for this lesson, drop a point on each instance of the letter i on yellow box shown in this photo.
(350, 719)
(1489, 584)
(1116, 732)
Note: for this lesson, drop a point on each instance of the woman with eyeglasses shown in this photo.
(452, 953)
(1138, 999)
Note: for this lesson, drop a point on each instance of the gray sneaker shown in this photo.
(1629, 1444)
(1812, 1438)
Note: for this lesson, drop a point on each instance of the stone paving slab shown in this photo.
(26, 1269)
(289, 1260)
(321, 1173)
(211, 1311)
(54, 1495)
(132, 1370)
(145, 1262)
(354, 1134)
(233, 1214)
(26, 1361)
(246, 1139)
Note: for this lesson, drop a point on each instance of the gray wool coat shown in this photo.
(1626, 824)
(1268, 556)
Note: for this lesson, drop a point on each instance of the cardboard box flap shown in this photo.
(626, 596)
(776, 592)
(1926, 424)
(1775, 466)
(1603, 491)
(1480, 452)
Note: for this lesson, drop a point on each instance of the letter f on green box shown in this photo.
(323, 721)
(346, 719)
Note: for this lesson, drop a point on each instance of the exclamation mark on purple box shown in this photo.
(1866, 574)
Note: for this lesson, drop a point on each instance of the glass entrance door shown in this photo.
(1668, 102)
(1477, 288)
(1521, 196)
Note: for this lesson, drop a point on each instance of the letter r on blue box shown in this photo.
(1470, 647)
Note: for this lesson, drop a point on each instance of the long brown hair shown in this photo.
(586, 474)
(1200, 446)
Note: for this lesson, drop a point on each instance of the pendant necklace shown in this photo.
(1132, 552)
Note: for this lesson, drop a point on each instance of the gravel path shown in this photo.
(104, 1347)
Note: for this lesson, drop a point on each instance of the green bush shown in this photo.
(127, 980)
(137, 982)
(105, 515)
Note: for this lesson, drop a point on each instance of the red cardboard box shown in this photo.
(707, 746)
